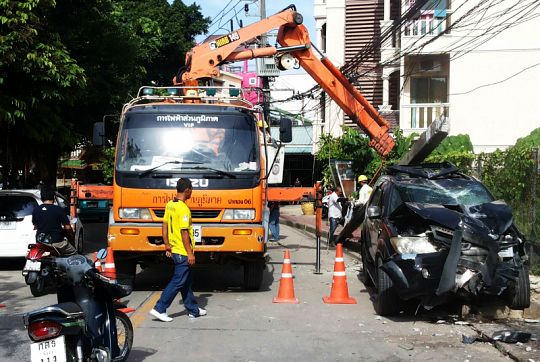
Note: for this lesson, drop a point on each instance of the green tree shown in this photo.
(354, 146)
(38, 77)
(65, 64)
(165, 32)
(455, 149)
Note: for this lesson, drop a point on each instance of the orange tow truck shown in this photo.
(211, 135)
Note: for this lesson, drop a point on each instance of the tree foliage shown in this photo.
(455, 149)
(354, 146)
(66, 64)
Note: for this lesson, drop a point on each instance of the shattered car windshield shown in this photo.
(444, 192)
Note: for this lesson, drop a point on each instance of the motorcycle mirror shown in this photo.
(102, 253)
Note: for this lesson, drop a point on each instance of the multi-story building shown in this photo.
(474, 61)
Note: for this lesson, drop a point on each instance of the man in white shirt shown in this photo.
(365, 191)
(334, 213)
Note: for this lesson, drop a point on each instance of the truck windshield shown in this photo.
(221, 142)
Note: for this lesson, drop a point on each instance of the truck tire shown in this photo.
(253, 275)
(388, 302)
(125, 271)
(520, 297)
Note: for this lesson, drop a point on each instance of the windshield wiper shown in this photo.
(219, 172)
(146, 172)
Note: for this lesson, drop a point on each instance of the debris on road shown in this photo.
(509, 336)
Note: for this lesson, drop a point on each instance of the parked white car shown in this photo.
(16, 228)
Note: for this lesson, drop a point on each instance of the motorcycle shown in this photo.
(88, 323)
(38, 276)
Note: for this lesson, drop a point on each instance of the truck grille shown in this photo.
(195, 214)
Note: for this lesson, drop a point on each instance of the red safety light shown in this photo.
(39, 331)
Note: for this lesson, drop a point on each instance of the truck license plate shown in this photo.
(32, 265)
(197, 231)
(52, 350)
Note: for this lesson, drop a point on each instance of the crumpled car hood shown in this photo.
(491, 218)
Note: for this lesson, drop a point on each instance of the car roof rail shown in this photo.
(426, 170)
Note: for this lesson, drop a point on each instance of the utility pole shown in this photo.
(264, 79)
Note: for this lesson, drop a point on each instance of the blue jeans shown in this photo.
(333, 226)
(180, 282)
(274, 223)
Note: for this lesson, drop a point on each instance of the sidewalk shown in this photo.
(292, 215)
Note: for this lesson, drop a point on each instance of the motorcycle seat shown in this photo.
(67, 309)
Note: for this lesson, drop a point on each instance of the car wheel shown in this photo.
(521, 295)
(37, 288)
(366, 279)
(388, 302)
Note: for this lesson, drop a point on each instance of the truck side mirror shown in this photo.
(285, 130)
(98, 134)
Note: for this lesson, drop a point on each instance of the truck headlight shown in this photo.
(134, 213)
(412, 245)
(239, 214)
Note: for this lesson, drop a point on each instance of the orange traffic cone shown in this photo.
(97, 263)
(286, 287)
(110, 269)
(340, 291)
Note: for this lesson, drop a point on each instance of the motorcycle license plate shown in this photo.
(52, 350)
(32, 265)
(197, 231)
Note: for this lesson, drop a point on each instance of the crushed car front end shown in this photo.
(449, 237)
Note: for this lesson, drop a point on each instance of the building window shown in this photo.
(429, 90)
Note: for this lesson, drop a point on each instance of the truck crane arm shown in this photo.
(203, 60)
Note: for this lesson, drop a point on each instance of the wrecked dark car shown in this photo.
(431, 232)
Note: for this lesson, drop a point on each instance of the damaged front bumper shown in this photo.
(431, 277)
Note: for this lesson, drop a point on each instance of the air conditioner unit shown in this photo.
(266, 67)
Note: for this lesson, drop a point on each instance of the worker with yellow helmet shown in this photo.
(365, 191)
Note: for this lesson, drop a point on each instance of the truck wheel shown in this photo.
(253, 275)
(520, 297)
(388, 302)
(37, 288)
(125, 271)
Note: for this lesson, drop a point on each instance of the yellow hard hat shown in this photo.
(362, 178)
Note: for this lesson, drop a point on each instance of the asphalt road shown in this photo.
(247, 326)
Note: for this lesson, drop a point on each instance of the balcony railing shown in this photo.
(420, 115)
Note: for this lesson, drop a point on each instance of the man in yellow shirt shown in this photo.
(180, 245)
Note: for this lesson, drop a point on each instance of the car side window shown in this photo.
(376, 198)
(60, 201)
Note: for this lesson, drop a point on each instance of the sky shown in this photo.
(213, 10)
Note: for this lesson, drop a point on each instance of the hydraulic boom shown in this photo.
(203, 61)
